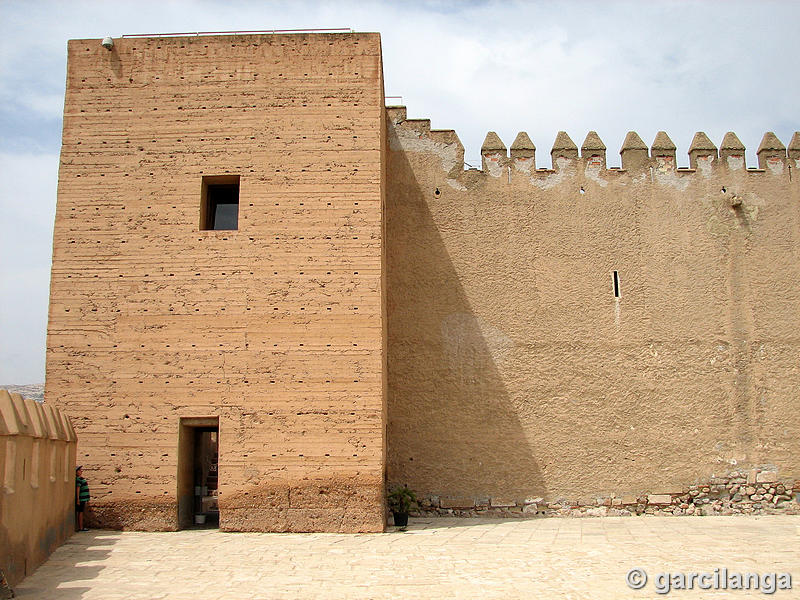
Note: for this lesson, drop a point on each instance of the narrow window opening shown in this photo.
(219, 208)
(615, 278)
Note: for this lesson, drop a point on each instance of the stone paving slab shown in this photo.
(435, 558)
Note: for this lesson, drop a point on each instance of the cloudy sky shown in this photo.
(471, 66)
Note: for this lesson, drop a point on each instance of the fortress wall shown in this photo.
(37, 471)
(515, 373)
(274, 328)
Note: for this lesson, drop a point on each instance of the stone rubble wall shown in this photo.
(37, 470)
(756, 492)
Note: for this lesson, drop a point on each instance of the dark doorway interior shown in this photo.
(198, 472)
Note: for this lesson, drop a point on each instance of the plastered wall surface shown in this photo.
(37, 471)
(275, 328)
(515, 372)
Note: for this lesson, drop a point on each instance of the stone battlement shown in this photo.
(704, 156)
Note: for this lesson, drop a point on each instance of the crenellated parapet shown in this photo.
(771, 152)
(593, 150)
(563, 149)
(494, 156)
(702, 152)
(523, 153)
(660, 157)
(731, 152)
(794, 146)
(38, 447)
(662, 152)
(634, 152)
(416, 135)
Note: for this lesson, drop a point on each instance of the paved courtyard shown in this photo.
(435, 558)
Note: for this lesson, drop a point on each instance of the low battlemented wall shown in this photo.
(37, 468)
(583, 336)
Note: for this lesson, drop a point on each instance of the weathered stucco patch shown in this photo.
(775, 164)
(748, 203)
(671, 179)
(736, 162)
(705, 165)
(665, 164)
(494, 163)
(408, 140)
(716, 226)
(524, 165)
(456, 185)
(752, 204)
(565, 169)
(593, 170)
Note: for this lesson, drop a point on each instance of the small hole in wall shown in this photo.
(437, 193)
(583, 191)
(723, 190)
(615, 279)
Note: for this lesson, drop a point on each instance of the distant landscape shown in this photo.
(34, 391)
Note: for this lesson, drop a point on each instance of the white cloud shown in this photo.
(49, 106)
(27, 203)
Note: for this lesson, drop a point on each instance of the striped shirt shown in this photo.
(83, 495)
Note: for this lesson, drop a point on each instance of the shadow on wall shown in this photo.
(453, 430)
(52, 579)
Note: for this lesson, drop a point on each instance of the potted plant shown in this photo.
(401, 501)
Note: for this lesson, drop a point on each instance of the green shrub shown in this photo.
(402, 500)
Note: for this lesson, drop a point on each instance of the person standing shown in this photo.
(81, 496)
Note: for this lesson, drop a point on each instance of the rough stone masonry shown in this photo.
(570, 337)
